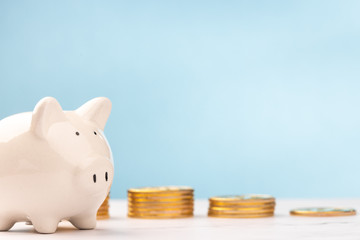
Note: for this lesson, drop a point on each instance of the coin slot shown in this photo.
(94, 178)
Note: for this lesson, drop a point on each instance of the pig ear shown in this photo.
(47, 111)
(96, 111)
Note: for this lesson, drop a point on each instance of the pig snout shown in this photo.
(96, 178)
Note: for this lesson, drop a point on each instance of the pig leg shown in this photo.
(44, 224)
(6, 224)
(84, 221)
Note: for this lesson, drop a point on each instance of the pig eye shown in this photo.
(106, 176)
(77, 133)
(95, 133)
(94, 178)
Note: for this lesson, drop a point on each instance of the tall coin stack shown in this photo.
(103, 212)
(243, 206)
(161, 202)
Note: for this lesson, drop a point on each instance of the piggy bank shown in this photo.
(54, 165)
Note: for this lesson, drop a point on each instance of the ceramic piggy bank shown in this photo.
(54, 165)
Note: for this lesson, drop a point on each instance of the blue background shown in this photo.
(225, 96)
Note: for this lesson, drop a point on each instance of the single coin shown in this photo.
(161, 213)
(172, 201)
(162, 205)
(104, 208)
(161, 208)
(160, 194)
(155, 190)
(241, 206)
(102, 213)
(164, 199)
(242, 211)
(166, 213)
(159, 216)
(246, 198)
(323, 212)
(258, 215)
(102, 217)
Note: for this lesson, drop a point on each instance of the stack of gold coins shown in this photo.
(242, 206)
(323, 212)
(103, 212)
(161, 202)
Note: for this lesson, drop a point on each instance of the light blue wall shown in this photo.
(226, 96)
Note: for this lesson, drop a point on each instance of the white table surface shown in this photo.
(282, 226)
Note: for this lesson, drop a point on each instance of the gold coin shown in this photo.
(165, 194)
(104, 207)
(267, 205)
(157, 196)
(102, 217)
(240, 205)
(145, 204)
(242, 210)
(161, 208)
(161, 213)
(160, 216)
(246, 198)
(103, 210)
(160, 199)
(162, 205)
(102, 213)
(155, 190)
(323, 212)
(146, 210)
(240, 216)
(167, 213)
(153, 206)
(150, 203)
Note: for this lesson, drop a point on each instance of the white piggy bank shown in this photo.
(54, 165)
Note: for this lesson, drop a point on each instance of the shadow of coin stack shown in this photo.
(103, 212)
(161, 202)
(242, 206)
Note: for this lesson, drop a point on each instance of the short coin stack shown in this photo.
(242, 206)
(103, 212)
(161, 202)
